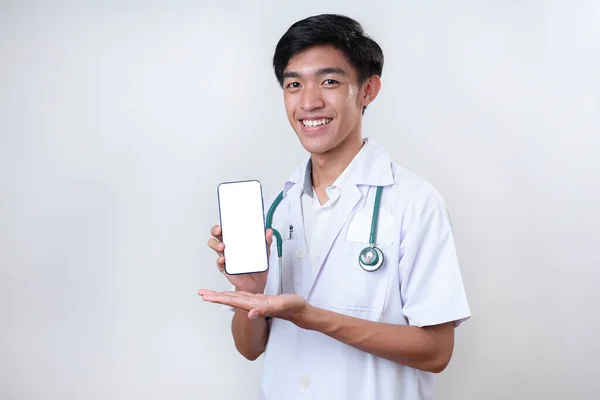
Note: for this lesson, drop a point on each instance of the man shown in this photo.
(339, 331)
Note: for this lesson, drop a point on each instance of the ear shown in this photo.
(370, 90)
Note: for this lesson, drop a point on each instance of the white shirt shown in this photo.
(315, 217)
(419, 284)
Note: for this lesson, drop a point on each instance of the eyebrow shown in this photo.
(320, 72)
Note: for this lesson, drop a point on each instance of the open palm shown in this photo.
(258, 305)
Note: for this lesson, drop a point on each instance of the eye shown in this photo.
(293, 85)
(330, 82)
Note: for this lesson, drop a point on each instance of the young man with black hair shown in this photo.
(340, 331)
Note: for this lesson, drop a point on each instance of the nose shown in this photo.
(311, 99)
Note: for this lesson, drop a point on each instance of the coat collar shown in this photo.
(371, 167)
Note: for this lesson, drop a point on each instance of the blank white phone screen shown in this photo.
(243, 227)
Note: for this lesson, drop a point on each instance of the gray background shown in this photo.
(118, 120)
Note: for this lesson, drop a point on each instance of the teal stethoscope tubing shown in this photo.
(277, 235)
(370, 258)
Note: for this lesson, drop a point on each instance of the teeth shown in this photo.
(316, 122)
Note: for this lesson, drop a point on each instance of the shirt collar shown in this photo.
(307, 186)
(371, 166)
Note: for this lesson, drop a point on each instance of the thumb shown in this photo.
(258, 312)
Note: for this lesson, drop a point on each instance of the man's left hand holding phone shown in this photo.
(243, 248)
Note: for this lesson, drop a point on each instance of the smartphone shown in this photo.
(241, 214)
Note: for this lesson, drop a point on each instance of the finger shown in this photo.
(240, 293)
(215, 244)
(248, 295)
(221, 263)
(228, 300)
(226, 293)
(235, 299)
(269, 236)
(217, 232)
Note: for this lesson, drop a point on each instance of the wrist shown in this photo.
(307, 317)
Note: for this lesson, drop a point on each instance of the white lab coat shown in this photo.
(419, 284)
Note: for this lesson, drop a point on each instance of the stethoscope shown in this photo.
(370, 258)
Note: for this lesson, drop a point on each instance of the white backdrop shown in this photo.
(118, 120)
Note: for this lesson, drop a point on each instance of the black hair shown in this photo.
(344, 33)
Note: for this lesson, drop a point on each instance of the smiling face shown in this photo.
(323, 99)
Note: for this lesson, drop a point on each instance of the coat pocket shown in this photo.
(354, 289)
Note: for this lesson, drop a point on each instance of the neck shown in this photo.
(327, 167)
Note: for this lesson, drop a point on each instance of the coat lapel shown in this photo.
(300, 265)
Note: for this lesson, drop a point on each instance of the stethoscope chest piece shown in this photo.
(370, 259)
